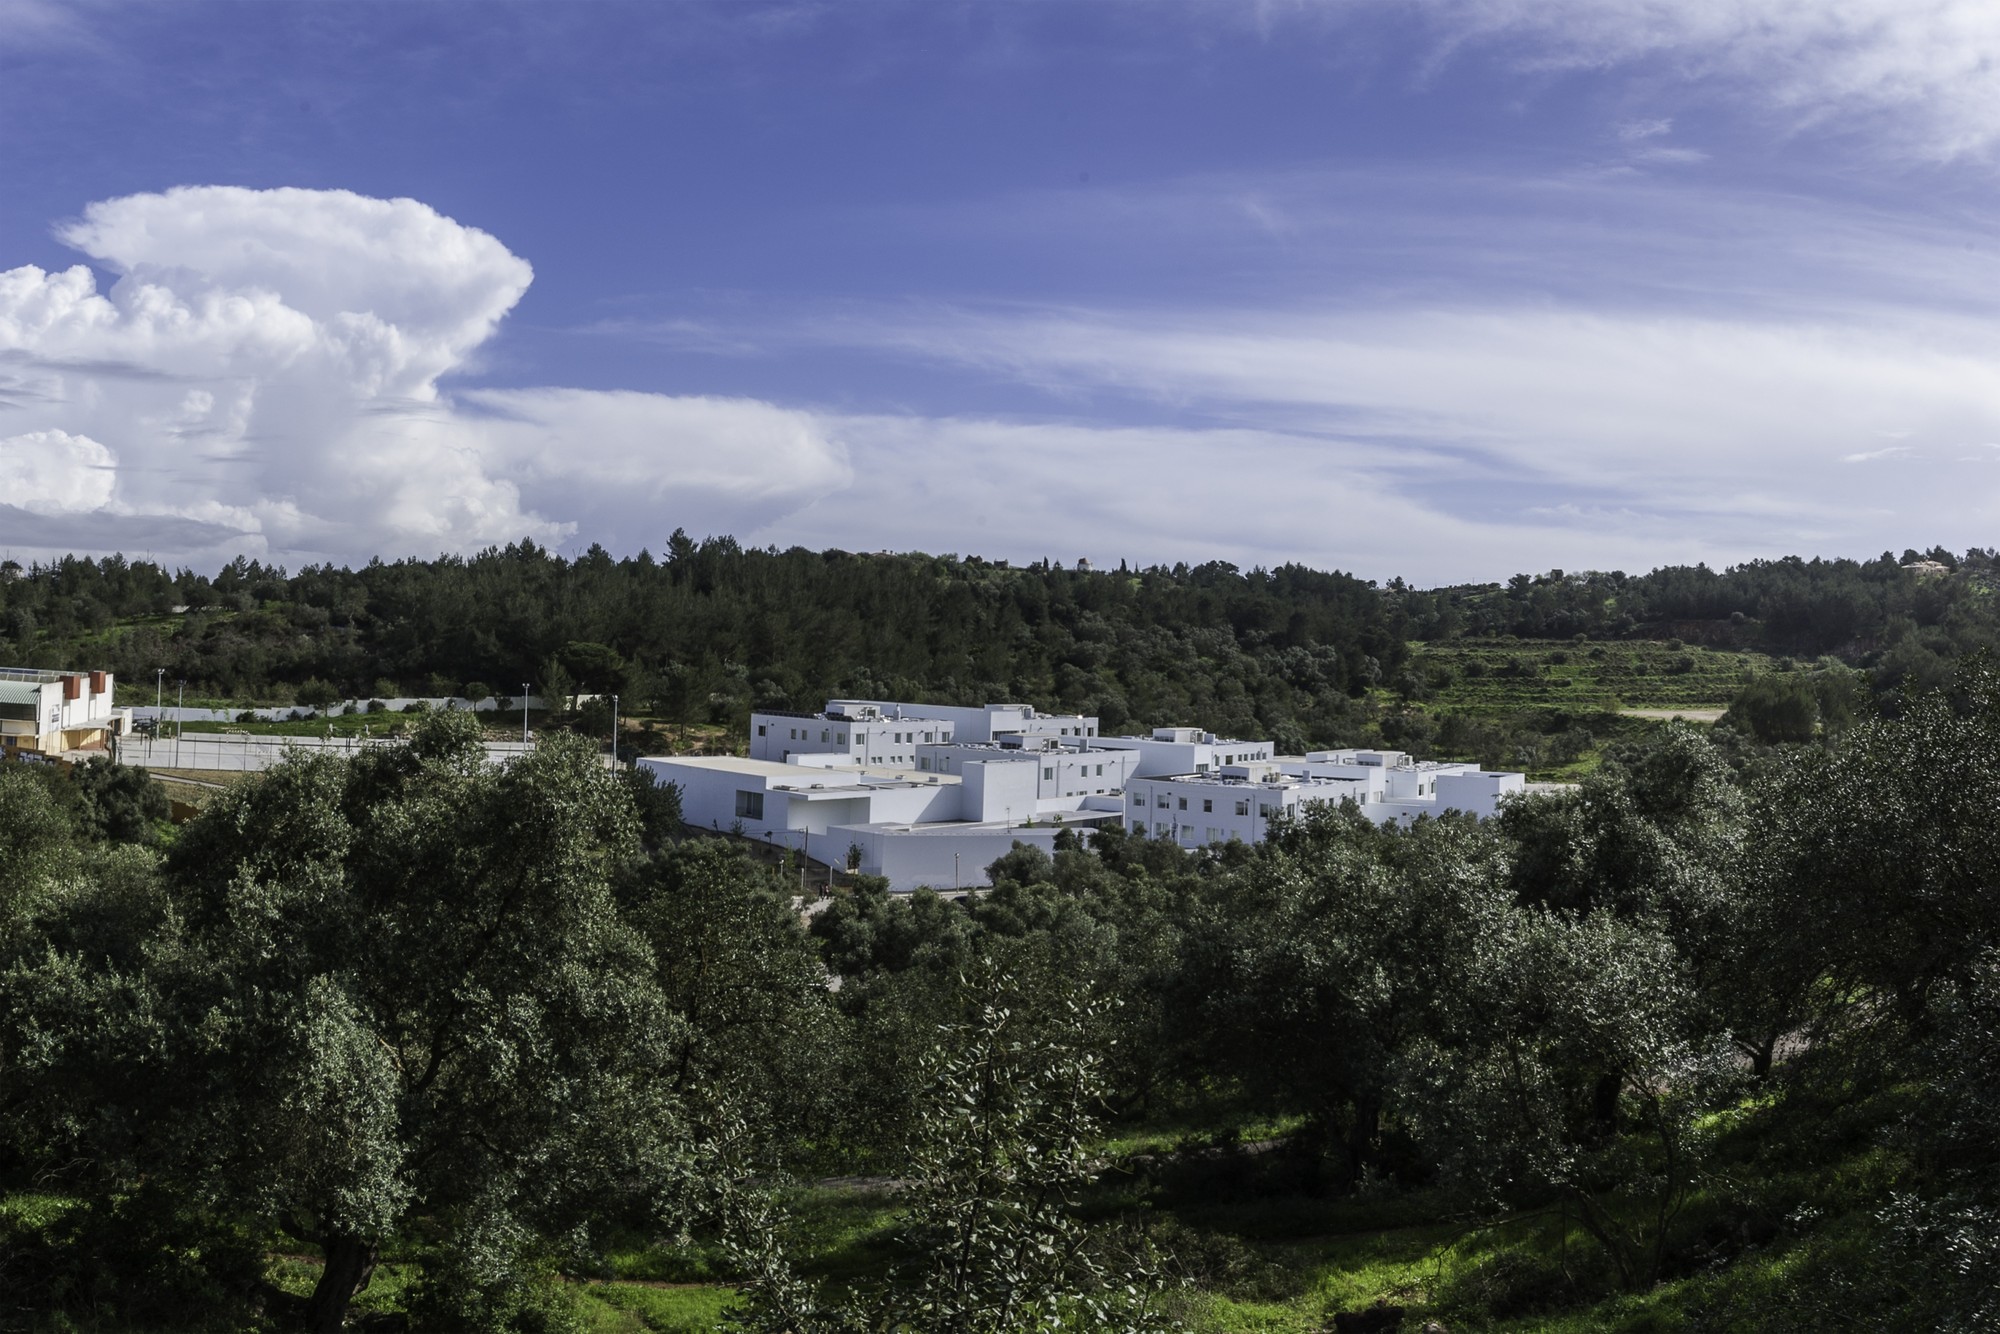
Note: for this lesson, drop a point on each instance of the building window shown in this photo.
(1214, 834)
(1162, 830)
(1048, 772)
(924, 762)
(1267, 810)
(1139, 827)
(824, 735)
(1208, 805)
(1161, 801)
(1183, 803)
(1243, 808)
(760, 729)
(749, 805)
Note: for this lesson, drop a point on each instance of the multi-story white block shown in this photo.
(855, 733)
(988, 722)
(1064, 774)
(1186, 750)
(1240, 801)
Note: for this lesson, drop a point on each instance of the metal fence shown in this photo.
(243, 753)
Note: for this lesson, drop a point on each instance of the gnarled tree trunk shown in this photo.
(350, 1264)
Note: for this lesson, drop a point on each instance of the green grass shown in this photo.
(633, 1308)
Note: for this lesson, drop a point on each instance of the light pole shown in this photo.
(159, 688)
(614, 734)
(524, 713)
(180, 700)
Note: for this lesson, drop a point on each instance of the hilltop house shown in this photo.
(48, 713)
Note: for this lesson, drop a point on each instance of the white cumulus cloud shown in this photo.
(54, 472)
(265, 366)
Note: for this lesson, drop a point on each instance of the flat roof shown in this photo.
(1276, 780)
(735, 764)
(864, 776)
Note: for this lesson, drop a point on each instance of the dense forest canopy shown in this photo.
(712, 629)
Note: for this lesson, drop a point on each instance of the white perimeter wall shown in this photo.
(909, 861)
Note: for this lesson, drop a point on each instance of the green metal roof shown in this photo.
(19, 692)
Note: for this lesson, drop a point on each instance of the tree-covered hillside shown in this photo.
(711, 630)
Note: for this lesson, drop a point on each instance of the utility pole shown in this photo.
(524, 713)
(614, 732)
(180, 702)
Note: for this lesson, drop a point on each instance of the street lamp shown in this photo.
(524, 713)
(180, 699)
(614, 731)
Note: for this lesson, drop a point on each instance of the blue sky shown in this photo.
(1443, 289)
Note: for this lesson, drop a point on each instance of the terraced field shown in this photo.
(1491, 677)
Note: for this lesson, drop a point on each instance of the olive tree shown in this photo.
(386, 991)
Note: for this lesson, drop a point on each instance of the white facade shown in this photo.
(860, 734)
(1063, 776)
(989, 722)
(1186, 750)
(948, 856)
(778, 801)
(1402, 787)
(1240, 801)
(913, 827)
(48, 712)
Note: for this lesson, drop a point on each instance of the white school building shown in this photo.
(933, 794)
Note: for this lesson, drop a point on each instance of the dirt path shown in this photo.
(1691, 715)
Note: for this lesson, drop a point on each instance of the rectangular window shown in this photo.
(1183, 803)
(824, 735)
(749, 805)
(1100, 771)
(1267, 810)
(1208, 804)
(760, 729)
(1243, 808)
(1138, 826)
(1161, 829)
(1161, 801)
(1048, 772)
(1214, 834)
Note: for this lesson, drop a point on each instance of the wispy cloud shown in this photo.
(1918, 74)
